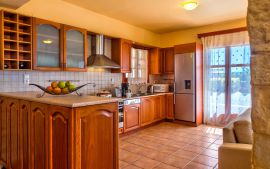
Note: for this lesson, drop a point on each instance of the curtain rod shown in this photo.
(201, 35)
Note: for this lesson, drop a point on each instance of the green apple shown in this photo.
(61, 84)
(71, 87)
(68, 83)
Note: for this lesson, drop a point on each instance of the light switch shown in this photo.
(26, 78)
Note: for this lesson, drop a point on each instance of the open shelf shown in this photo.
(16, 53)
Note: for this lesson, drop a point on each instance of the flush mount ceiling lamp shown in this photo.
(190, 5)
(47, 41)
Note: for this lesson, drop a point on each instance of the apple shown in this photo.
(61, 84)
(54, 84)
(49, 89)
(65, 90)
(57, 90)
(68, 83)
(72, 87)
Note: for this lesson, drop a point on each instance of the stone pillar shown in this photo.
(258, 21)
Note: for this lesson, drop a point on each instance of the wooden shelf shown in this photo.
(16, 53)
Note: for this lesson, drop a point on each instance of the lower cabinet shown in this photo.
(41, 136)
(147, 110)
(131, 117)
(169, 106)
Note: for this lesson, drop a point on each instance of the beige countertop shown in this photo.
(66, 101)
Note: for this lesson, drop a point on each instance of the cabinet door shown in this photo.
(162, 106)
(155, 61)
(4, 130)
(39, 132)
(147, 111)
(168, 61)
(24, 129)
(157, 107)
(60, 137)
(47, 45)
(75, 48)
(96, 134)
(13, 117)
(131, 117)
(170, 106)
(126, 57)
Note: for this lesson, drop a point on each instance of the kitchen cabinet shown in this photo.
(157, 107)
(121, 54)
(169, 106)
(58, 47)
(131, 117)
(75, 48)
(168, 60)
(42, 136)
(163, 105)
(47, 45)
(155, 61)
(96, 135)
(16, 41)
(147, 110)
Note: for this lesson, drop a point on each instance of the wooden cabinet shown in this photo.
(155, 61)
(147, 110)
(168, 60)
(131, 117)
(75, 48)
(163, 105)
(4, 138)
(121, 54)
(16, 41)
(96, 135)
(47, 45)
(169, 106)
(58, 47)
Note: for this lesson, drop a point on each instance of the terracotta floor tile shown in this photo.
(128, 156)
(206, 160)
(185, 154)
(156, 155)
(146, 163)
(219, 142)
(193, 165)
(193, 148)
(164, 166)
(177, 161)
(131, 167)
(207, 139)
(122, 164)
(210, 153)
(201, 143)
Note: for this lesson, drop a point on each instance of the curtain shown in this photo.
(227, 77)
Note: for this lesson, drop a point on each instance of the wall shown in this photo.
(63, 12)
(11, 81)
(190, 35)
(259, 31)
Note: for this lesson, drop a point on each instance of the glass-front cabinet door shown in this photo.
(48, 53)
(75, 49)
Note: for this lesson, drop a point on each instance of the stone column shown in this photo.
(258, 21)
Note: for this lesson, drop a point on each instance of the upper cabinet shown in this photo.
(16, 41)
(47, 43)
(155, 61)
(168, 60)
(75, 48)
(58, 47)
(121, 54)
(161, 61)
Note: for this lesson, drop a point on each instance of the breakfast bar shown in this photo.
(58, 132)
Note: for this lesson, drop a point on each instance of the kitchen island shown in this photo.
(58, 132)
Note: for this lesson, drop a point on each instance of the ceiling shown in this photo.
(163, 16)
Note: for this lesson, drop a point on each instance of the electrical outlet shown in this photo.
(26, 78)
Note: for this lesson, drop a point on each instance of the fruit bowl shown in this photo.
(60, 88)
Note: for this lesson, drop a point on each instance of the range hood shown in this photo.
(99, 60)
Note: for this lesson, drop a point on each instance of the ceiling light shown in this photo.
(190, 5)
(47, 41)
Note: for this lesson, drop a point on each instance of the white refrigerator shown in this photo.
(184, 87)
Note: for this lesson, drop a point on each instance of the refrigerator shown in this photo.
(184, 87)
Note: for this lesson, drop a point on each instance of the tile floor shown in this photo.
(171, 146)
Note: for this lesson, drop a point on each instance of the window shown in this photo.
(139, 68)
(228, 82)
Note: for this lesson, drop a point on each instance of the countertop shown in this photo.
(66, 101)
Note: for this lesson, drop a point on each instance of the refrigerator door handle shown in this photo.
(174, 85)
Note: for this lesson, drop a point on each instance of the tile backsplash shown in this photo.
(13, 81)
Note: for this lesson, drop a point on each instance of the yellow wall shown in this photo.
(63, 12)
(190, 35)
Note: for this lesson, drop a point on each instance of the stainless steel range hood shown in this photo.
(99, 60)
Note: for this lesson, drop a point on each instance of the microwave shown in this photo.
(161, 88)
